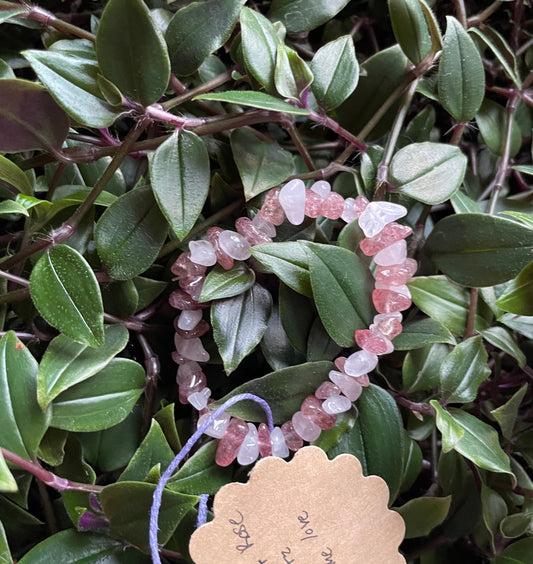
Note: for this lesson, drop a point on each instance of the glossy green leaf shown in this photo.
(410, 29)
(336, 72)
(502, 339)
(5, 553)
(127, 506)
(506, 414)
(429, 172)
(341, 287)
(463, 246)
(412, 462)
(7, 484)
(320, 346)
(72, 81)
(297, 314)
(420, 370)
(261, 165)
(259, 46)
(291, 75)
(516, 525)
(8, 207)
(221, 283)
(518, 295)
(288, 261)
(13, 175)
(22, 422)
(492, 121)
(461, 73)
(255, 100)
(331, 437)
(179, 171)
(67, 362)
(66, 293)
(29, 117)
(304, 15)
(472, 438)
(130, 233)
(199, 29)
(131, 51)
(494, 509)
(7, 14)
(464, 204)
(284, 390)
(239, 324)
(463, 371)
(101, 401)
(422, 332)
(423, 514)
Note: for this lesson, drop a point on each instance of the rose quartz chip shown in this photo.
(181, 300)
(292, 200)
(336, 404)
(217, 429)
(229, 445)
(387, 301)
(249, 450)
(391, 233)
(313, 203)
(246, 228)
(225, 261)
(327, 389)
(360, 204)
(349, 213)
(202, 252)
(403, 289)
(349, 386)
(312, 408)
(263, 226)
(200, 329)
(192, 285)
(373, 340)
(184, 267)
(234, 245)
(188, 370)
(322, 188)
(377, 215)
(191, 348)
(340, 361)
(332, 206)
(307, 429)
(194, 383)
(293, 441)
(390, 324)
(398, 274)
(199, 399)
(394, 254)
(360, 362)
(271, 209)
(189, 319)
(263, 435)
(279, 446)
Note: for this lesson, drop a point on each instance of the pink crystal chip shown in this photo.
(390, 324)
(377, 215)
(202, 252)
(279, 446)
(249, 449)
(387, 301)
(393, 254)
(398, 274)
(360, 204)
(271, 210)
(225, 261)
(360, 362)
(253, 235)
(349, 386)
(307, 429)
(391, 233)
(312, 408)
(263, 435)
(313, 203)
(322, 188)
(293, 441)
(327, 389)
(372, 340)
(217, 429)
(292, 200)
(336, 404)
(185, 267)
(229, 445)
(332, 206)
(349, 213)
(234, 245)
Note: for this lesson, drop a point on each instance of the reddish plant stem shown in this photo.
(421, 407)
(16, 279)
(326, 121)
(472, 309)
(153, 368)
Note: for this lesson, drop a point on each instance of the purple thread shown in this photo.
(202, 510)
(158, 493)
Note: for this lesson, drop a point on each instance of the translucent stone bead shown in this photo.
(387, 301)
(391, 233)
(192, 285)
(390, 324)
(230, 443)
(312, 408)
(403, 289)
(246, 228)
(397, 274)
(327, 389)
(360, 204)
(332, 206)
(188, 370)
(199, 399)
(200, 329)
(349, 213)
(340, 361)
(377, 215)
(249, 450)
(188, 386)
(349, 386)
(263, 226)
(336, 404)
(189, 319)
(394, 254)
(202, 252)
(225, 261)
(265, 446)
(183, 266)
(191, 348)
(360, 362)
(271, 209)
(235, 245)
(322, 188)
(293, 441)
(373, 340)
(277, 441)
(313, 203)
(307, 429)
(217, 429)
(292, 200)
(181, 300)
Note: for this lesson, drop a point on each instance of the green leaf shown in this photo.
(463, 371)
(525, 169)
(102, 401)
(29, 117)
(5, 553)
(410, 29)
(507, 413)
(179, 171)
(13, 175)
(304, 15)
(66, 293)
(502, 339)
(8, 207)
(494, 509)
(336, 72)
(259, 46)
(420, 370)
(412, 463)
(7, 14)
(261, 165)
(22, 422)
(463, 246)
(239, 324)
(255, 100)
(130, 234)
(288, 261)
(472, 438)
(515, 525)
(331, 437)
(341, 285)
(127, 506)
(198, 30)
(492, 122)
(422, 332)
(518, 295)
(461, 73)
(284, 390)
(7, 484)
(429, 172)
(423, 514)
(67, 362)
(292, 75)
(517, 553)
(72, 81)
(221, 283)
(132, 52)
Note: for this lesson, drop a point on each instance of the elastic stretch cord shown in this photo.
(158, 493)
(202, 510)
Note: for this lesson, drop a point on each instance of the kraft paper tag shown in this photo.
(307, 511)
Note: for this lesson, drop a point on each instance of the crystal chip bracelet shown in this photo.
(384, 241)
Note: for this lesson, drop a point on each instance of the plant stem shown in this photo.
(326, 121)
(12, 278)
(47, 508)
(421, 407)
(472, 309)
(15, 296)
(460, 12)
(297, 140)
(153, 368)
(485, 14)
(202, 89)
(458, 130)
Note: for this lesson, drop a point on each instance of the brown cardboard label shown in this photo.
(307, 511)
